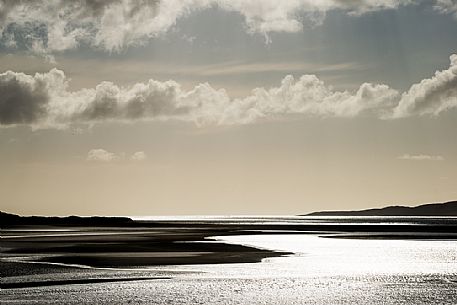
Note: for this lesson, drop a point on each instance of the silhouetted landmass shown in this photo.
(433, 209)
(7, 219)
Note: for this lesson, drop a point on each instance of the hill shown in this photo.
(7, 219)
(432, 209)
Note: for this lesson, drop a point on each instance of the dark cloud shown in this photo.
(22, 100)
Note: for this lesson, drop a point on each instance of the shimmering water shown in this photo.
(321, 271)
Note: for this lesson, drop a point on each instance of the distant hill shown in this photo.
(432, 209)
(7, 219)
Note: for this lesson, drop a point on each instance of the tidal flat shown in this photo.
(233, 260)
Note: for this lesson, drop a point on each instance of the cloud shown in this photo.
(139, 156)
(110, 25)
(237, 68)
(23, 98)
(447, 7)
(420, 157)
(102, 155)
(431, 96)
(285, 16)
(43, 100)
(53, 26)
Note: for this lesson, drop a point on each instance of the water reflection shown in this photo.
(315, 256)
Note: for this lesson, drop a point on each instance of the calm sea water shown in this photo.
(321, 271)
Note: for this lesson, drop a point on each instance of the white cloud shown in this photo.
(284, 16)
(112, 25)
(102, 155)
(420, 157)
(447, 7)
(431, 96)
(43, 100)
(139, 156)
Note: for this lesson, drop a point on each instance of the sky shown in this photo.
(216, 107)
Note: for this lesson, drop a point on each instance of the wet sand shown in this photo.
(38, 255)
(35, 256)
